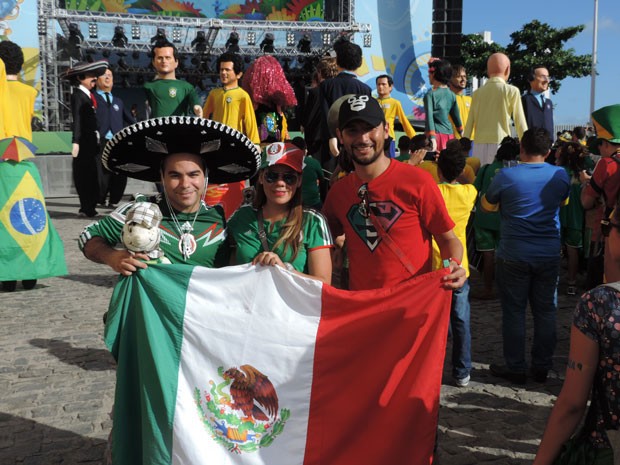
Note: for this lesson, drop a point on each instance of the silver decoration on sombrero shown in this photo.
(210, 146)
(156, 146)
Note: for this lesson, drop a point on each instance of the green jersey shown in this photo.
(168, 97)
(209, 232)
(311, 176)
(243, 233)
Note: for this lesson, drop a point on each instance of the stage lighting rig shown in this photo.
(200, 42)
(135, 32)
(176, 35)
(290, 39)
(232, 44)
(93, 31)
(119, 39)
(304, 44)
(367, 40)
(251, 38)
(266, 45)
(160, 35)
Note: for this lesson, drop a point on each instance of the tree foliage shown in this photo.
(536, 44)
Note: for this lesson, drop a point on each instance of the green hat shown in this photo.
(607, 123)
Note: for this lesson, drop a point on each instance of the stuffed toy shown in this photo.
(141, 231)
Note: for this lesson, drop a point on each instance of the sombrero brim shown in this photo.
(138, 150)
(96, 67)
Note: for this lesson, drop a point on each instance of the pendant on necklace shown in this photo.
(187, 245)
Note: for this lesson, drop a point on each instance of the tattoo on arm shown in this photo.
(573, 365)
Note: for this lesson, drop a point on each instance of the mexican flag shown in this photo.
(30, 247)
(256, 365)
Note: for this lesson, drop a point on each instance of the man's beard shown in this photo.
(365, 161)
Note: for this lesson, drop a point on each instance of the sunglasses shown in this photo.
(288, 177)
(364, 206)
(606, 226)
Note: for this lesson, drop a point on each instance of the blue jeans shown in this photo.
(518, 282)
(461, 334)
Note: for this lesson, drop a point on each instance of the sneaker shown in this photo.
(81, 214)
(502, 371)
(571, 290)
(539, 375)
(29, 284)
(9, 286)
(462, 382)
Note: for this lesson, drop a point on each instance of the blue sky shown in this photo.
(572, 102)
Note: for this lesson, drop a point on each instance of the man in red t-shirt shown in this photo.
(403, 199)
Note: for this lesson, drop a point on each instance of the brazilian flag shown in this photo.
(30, 247)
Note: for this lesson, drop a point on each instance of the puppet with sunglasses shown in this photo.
(276, 230)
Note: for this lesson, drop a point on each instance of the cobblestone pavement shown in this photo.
(57, 378)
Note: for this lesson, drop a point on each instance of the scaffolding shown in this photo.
(59, 49)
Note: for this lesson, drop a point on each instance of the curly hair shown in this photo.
(572, 155)
(12, 55)
(451, 161)
(508, 149)
(235, 58)
(326, 68)
(348, 55)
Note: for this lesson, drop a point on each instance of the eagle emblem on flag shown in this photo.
(241, 411)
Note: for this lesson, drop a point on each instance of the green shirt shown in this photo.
(243, 233)
(168, 97)
(572, 215)
(483, 219)
(208, 229)
(311, 176)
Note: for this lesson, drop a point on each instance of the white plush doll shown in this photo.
(141, 231)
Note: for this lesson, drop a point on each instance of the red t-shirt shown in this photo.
(407, 202)
(605, 179)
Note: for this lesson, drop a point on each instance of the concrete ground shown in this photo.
(57, 378)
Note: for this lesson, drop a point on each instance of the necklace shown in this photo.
(187, 241)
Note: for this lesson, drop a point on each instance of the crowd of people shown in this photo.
(519, 203)
(488, 184)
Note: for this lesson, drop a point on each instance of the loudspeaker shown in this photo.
(447, 29)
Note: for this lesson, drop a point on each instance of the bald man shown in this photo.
(493, 107)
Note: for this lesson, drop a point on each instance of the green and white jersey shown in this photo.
(209, 231)
(243, 233)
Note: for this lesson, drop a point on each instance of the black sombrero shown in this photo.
(96, 67)
(138, 150)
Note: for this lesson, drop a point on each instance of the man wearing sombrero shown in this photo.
(85, 139)
(604, 185)
(184, 154)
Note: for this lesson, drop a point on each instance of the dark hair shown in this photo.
(299, 142)
(466, 144)
(403, 144)
(531, 74)
(419, 141)
(235, 58)
(442, 70)
(579, 132)
(390, 81)
(456, 69)
(572, 155)
(451, 162)
(536, 141)
(348, 55)
(165, 44)
(12, 55)
(508, 149)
